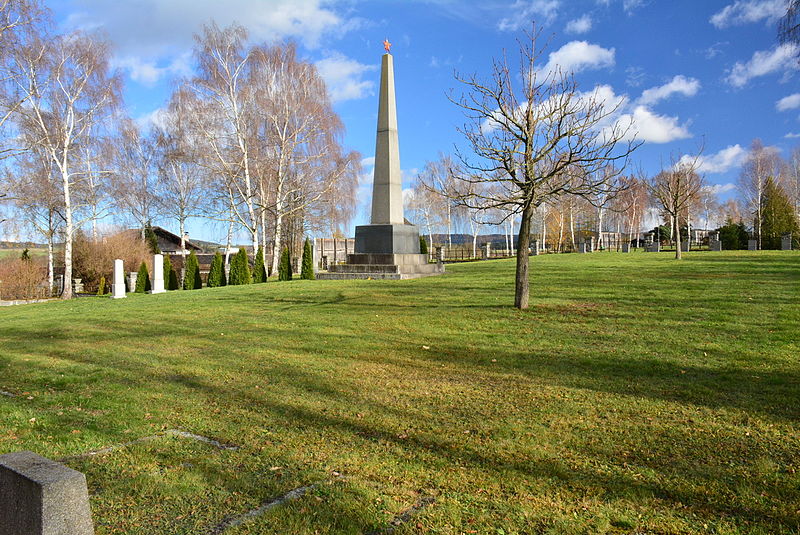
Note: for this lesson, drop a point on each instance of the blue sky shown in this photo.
(691, 72)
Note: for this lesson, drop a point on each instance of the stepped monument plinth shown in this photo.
(387, 248)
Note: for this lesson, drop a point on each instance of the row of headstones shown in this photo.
(118, 286)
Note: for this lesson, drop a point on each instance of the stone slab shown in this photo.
(752, 245)
(42, 497)
(387, 239)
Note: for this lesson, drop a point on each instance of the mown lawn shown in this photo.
(637, 395)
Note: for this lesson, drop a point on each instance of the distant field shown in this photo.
(5, 253)
(637, 395)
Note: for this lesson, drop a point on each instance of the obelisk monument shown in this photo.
(387, 232)
(387, 248)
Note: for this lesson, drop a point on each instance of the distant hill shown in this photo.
(22, 245)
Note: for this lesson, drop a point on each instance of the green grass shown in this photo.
(637, 395)
(16, 253)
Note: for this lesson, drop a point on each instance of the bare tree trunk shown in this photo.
(677, 238)
(572, 226)
(68, 235)
(228, 238)
(183, 250)
(51, 279)
(521, 289)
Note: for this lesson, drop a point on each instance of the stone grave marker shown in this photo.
(158, 274)
(42, 497)
(786, 242)
(752, 245)
(118, 286)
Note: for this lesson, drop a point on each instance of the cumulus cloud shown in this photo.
(149, 34)
(579, 25)
(524, 11)
(148, 72)
(724, 160)
(627, 5)
(718, 189)
(577, 56)
(747, 11)
(678, 85)
(343, 76)
(782, 58)
(791, 135)
(788, 103)
(650, 127)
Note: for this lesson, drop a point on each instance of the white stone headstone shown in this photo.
(132, 276)
(118, 287)
(786, 242)
(158, 274)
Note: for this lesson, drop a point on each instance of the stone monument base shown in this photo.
(387, 239)
(383, 266)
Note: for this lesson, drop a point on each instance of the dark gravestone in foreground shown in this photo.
(42, 497)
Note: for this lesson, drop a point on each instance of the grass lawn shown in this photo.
(637, 395)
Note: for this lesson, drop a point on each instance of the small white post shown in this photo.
(118, 287)
(158, 274)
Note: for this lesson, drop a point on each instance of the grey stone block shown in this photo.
(387, 239)
(42, 497)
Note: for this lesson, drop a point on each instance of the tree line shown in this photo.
(250, 140)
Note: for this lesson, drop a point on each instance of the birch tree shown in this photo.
(527, 128)
(674, 190)
(68, 91)
(761, 163)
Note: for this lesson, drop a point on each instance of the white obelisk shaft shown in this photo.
(387, 189)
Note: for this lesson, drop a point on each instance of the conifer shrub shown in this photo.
(143, 280)
(307, 264)
(101, 286)
(259, 270)
(216, 274)
(191, 277)
(285, 266)
(423, 245)
(170, 275)
(240, 269)
(151, 240)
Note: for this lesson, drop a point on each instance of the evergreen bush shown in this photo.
(143, 280)
(307, 265)
(151, 239)
(285, 266)
(259, 270)
(216, 274)
(191, 277)
(101, 286)
(170, 275)
(423, 245)
(240, 269)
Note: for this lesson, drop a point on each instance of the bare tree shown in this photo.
(761, 163)
(528, 129)
(300, 143)
(68, 91)
(674, 190)
(37, 200)
(791, 179)
(789, 25)
(136, 177)
(182, 191)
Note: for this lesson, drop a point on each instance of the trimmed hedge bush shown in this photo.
(423, 245)
(143, 280)
(170, 275)
(285, 266)
(307, 267)
(259, 270)
(101, 286)
(240, 269)
(191, 276)
(216, 275)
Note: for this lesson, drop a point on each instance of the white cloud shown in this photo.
(577, 56)
(653, 128)
(148, 73)
(679, 84)
(152, 37)
(724, 160)
(579, 25)
(343, 76)
(788, 103)
(525, 11)
(791, 135)
(368, 162)
(782, 58)
(157, 117)
(718, 189)
(747, 11)
(627, 5)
